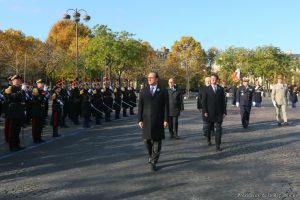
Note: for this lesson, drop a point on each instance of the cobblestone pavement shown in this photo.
(110, 162)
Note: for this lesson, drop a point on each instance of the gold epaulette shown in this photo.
(8, 90)
(94, 91)
(123, 89)
(35, 92)
(53, 96)
(81, 91)
(115, 90)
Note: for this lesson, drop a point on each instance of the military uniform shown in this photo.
(65, 97)
(258, 93)
(107, 102)
(86, 108)
(75, 105)
(38, 114)
(56, 118)
(15, 114)
(125, 101)
(97, 102)
(132, 100)
(118, 102)
(244, 101)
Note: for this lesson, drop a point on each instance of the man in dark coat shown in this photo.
(74, 103)
(244, 97)
(125, 99)
(214, 109)
(175, 106)
(132, 99)
(153, 113)
(97, 104)
(258, 93)
(118, 100)
(86, 108)
(107, 101)
(65, 97)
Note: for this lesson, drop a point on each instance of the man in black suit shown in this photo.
(244, 97)
(175, 106)
(153, 113)
(214, 109)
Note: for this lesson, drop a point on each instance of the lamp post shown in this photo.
(76, 18)
(186, 48)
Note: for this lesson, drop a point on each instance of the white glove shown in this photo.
(24, 87)
(274, 103)
(237, 104)
(253, 103)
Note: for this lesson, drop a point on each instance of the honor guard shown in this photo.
(125, 100)
(38, 111)
(118, 100)
(132, 99)
(86, 108)
(57, 105)
(65, 96)
(15, 112)
(5, 111)
(97, 103)
(258, 94)
(244, 101)
(74, 103)
(107, 101)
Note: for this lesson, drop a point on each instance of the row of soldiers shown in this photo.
(22, 104)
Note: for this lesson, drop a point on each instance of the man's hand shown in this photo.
(166, 124)
(141, 124)
(274, 103)
(205, 114)
(237, 104)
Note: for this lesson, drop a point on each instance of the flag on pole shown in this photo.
(236, 76)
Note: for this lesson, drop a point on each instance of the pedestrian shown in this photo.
(205, 126)
(175, 107)
(244, 98)
(214, 108)
(280, 99)
(153, 113)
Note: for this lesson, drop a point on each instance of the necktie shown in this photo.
(152, 90)
(215, 89)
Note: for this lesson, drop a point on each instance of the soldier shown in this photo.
(244, 101)
(28, 102)
(97, 103)
(86, 108)
(125, 100)
(258, 93)
(1, 103)
(5, 111)
(15, 112)
(118, 100)
(279, 99)
(74, 103)
(132, 99)
(38, 111)
(107, 101)
(57, 104)
(65, 97)
(293, 90)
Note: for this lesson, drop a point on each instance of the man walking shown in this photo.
(153, 113)
(175, 106)
(279, 98)
(214, 109)
(244, 101)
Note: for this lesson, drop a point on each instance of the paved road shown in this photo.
(110, 162)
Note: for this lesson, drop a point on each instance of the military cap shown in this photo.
(279, 76)
(16, 77)
(40, 81)
(246, 79)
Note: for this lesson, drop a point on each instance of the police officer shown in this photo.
(132, 99)
(57, 104)
(38, 111)
(107, 101)
(244, 101)
(117, 101)
(97, 103)
(15, 112)
(86, 108)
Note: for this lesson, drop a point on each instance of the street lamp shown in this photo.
(186, 48)
(76, 18)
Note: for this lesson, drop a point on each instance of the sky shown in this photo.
(219, 23)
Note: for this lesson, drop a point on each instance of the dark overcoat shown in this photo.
(175, 102)
(214, 104)
(153, 111)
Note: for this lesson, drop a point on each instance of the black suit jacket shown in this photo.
(214, 104)
(175, 102)
(153, 111)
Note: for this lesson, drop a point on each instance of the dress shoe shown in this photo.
(153, 167)
(176, 137)
(285, 124)
(209, 143)
(218, 149)
(278, 124)
(41, 141)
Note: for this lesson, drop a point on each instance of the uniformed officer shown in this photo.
(258, 94)
(107, 100)
(57, 104)
(65, 97)
(74, 103)
(244, 101)
(86, 108)
(15, 112)
(118, 100)
(279, 99)
(132, 99)
(38, 111)
(293, 91)
(5, 111)
(97, 103)
(125, 100)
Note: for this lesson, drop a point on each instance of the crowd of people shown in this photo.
(24, 104)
